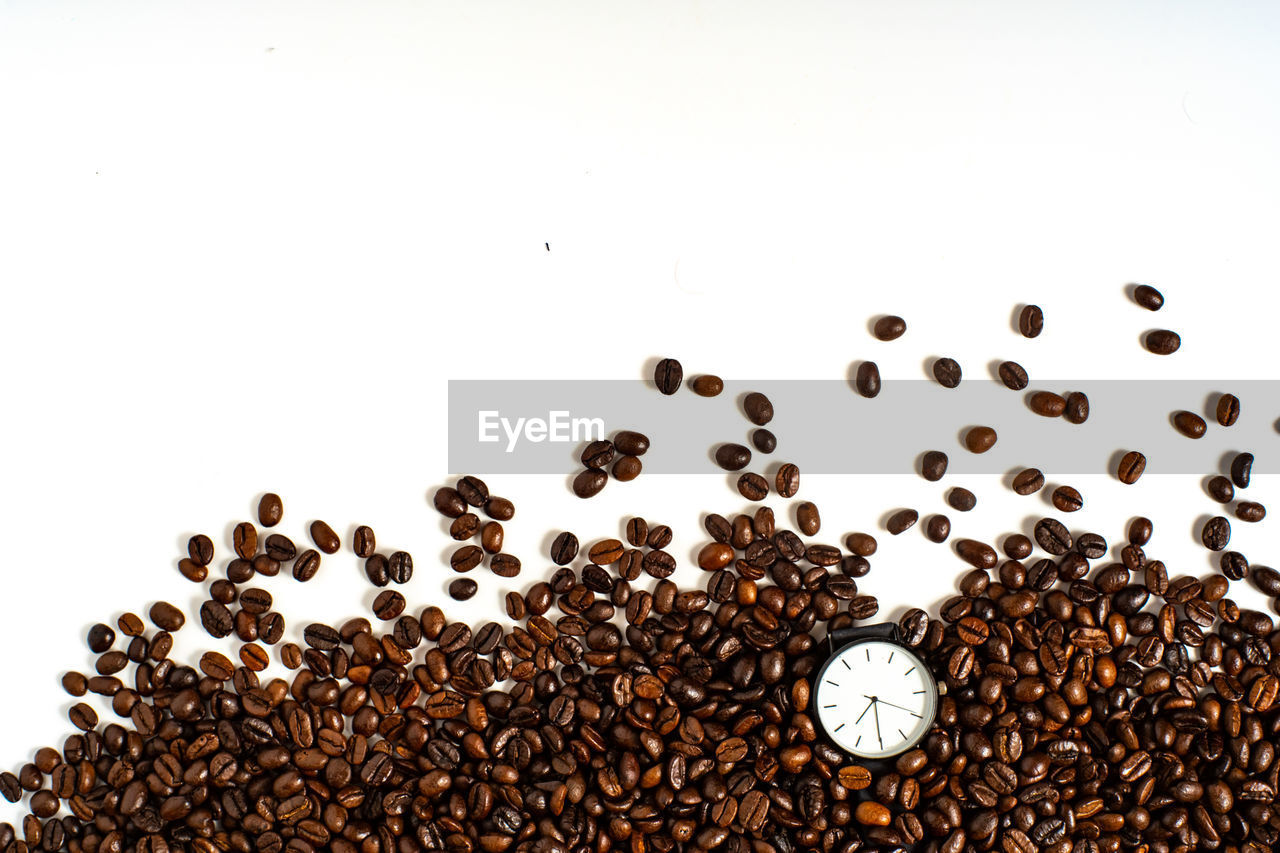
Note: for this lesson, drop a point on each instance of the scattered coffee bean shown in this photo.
(1031, 321)
(1242, 470)
(889, 328)
(862, 544)
(166, 617)
(707, 385)
(448, 502)
(1228, 409)
(668, 375)
(1250, 511)
(763, 440)
(270, 510)
(1017, 547)
(363, 542)
(1028, 481)
(589, 483)
(1189, 424)
(901, 520)
(1131, 466)
(306, 566)
(324, 537)
(504, 565)
(757, 408)
(961, 499)
(732, 457)
(101, 637)
(598, 454)
(499, 509)
(980, 439)
(461, 589)
(627, 468)
(631, 443)
(787, 480)
(867, 379)
(1163, 342)
(1067, 499)
(933, 465)
(947, 372)
(808, 519)
(1077, 409)
(1148, 297)
(1216, 533)
(937, 528)
(980, 555)
(1013, 375)
(388, 605)
(1047, 404)
(1052, 536)
(200, 549)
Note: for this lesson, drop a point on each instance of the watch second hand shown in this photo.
(891, 705)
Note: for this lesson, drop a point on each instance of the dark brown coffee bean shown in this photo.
(192, 571)
(461, 589)
(937, 528)
(668, 375)
(504, 565)
(244, 538)
(758, 408)
(270, 510)
(101, 638)
(216, 619)
(889, 327)
(223, 592)
(1250, 511)
(448, 502)
(466, 558)
(306, 566)
(388, 605)
(589, 482)
(1189, 424)
(862, 544)
(363, 542)
(1131, 466)
(1028, 481)
(400, 567)
(1241, 470)
(166, 617)
(660, 536)
(1216, 533)
(1047, 404)
(598, 454)
(901, 520)
(377, 570)
(788, 480)
(980, 555)
(1077, 408)
(867, 379)
(280, 547)
(1031, 321)
(707, 385)
(75, 683)
(1052, 536)
(1013, 375)
(763, 440)
(491, 537)
(753, 487)
(271, 628)
(1228, 409)
(1017, 547)
(961, 499)
(130, 624)
(808, 519)
(473, 490)
(631, 443)
(947, 372)
(324, 537)
(200, 549)
(84, 718)
(980, 439)
(564, 548)
(864, 606)
(1162, 342)
(1140, 530)
(1221, 489)
(499, 508)
(464, 527)
(1067, 499)
(933, 465)
(627, 468)
(732, 457)
(1148, 297)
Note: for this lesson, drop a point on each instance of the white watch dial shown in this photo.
(875, 698)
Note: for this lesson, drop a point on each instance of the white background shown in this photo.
(244, 246)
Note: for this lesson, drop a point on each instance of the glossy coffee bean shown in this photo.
(1228, 409)
(667, 375)
(589, 482)
(1189, 424)
(867, 379)
(732, 457)
(947, 373)
(889, 328)
(1031, 321)
(1013, 375)
(1148, 297)
(933, 465)
(270, 510)
(707, 385)
(1131, 466)
(758, 408)
(901, 521)
(961, 499)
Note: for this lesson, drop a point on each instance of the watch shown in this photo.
(874, 697)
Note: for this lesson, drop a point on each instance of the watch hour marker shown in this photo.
(868, 654)
(828, 706)
(839, 727)
(846, 663)
(859, 740)
(918, 693)
(908, 672)
(890, 660)
(832, 683)
(904, 734)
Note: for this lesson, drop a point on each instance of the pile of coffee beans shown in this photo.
(1085, 704)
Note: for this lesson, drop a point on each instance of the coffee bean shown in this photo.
(626, 469)
(1189, 424)
(867, 379)
(492, 536)
(1228, 409)
(589, 482)
(216, 619)
(1013, 375)
(1017, 547)
(499, 508)
(598, 454)
(631, 443)
(788, 480)
(808, 519)
(461, 589)
(901, 520)
(980, 439)
(464, 527)
(1216, 533)
(1162, 342)
(668, 375)
(707, 385)
(1031, 321)
(200, 549)
(466, 558)
(388, 605)
(83, 717)
(1052, 536)
(101, 637)
(504, 565)
(400, 567)
(448, 502)
(1148, 297)
(862, 544)
(763, 440)
(980, 555)
(753, 487)
(889, 327)
(378, 570)
(306, 566)
(1250, 511)
(1077, 408)
(280, 547)
(1067, 499)
(1140, 530)
(363, 542)
(947, 372)
(1241, 470)
(732, 457)
(1221, 489)
(129, 624)
(1028, 481)
(961, 499)
(270, 510)
(166, 617)
(1047, 404)
(1131, 466)
(758, 408)
(192, 571)
(933, 465)
(863, 606)
(324, 537)
(245, 540)
(937, 528)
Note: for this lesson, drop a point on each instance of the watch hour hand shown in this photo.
(864, 711)
(875, 703)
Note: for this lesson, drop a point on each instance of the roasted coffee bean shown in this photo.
(763, 440)
(400, 567)
(388, 605)
(980, 439)
(808, 519)
(631, 443)
(1241, 470)
(589, 482)
(1013, 375)
(866, 379)
(1131, 466)
(889, 327)
(363, 542)
(627, 468)
(473, 490)
(1047, 404)
(1031, 321)
(901, 520)
(1067, 499)
(757, 408)
(861, 544)
(378, 570)
(280, 547)
(166, 617)
(1221, 489)
(324, 537)
(193, 571)
(1189, 424)
(667, 375)
(961, 499)
(200, 549)
(1233, 564)
(504, 565)
(947, 372)
(448, 502)
(564, 548)
(464, 527)
(937, 528)
(499, 508)
(216, 619)
(980, 555)
(1016, 546)
(306, 566)
(1162, 342)
(1052, 536)
(933, 465)
(461, 589)
(466, 558)
(598, 454)
(1077, 408)
(101, 638)
(1140, 530)
(1216, 533)
(660, 536)
(1148, 297)
(1228, 409)
(707, 385)
(732, 457)
(1028, 481)
(244, 538)
(788, 480)
(270, 510)
(492, 536)
(130, 624)
(1250, 511)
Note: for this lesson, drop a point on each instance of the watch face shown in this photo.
(875, 698)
